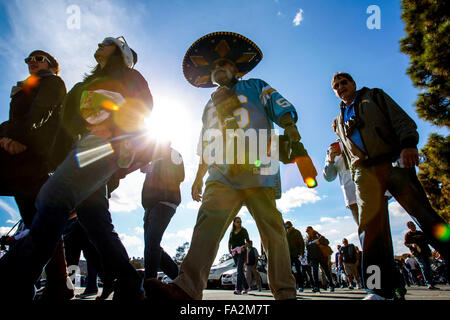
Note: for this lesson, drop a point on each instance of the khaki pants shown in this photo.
(251, 273)
(219, 207)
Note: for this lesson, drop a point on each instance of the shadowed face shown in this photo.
(344, 89)
(37, 63)
(224, 71)
(105, 50)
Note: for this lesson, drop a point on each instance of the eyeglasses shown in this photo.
(37, 59)
(343, 82)
(107, 42)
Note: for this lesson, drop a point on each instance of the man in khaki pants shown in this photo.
(220, 58)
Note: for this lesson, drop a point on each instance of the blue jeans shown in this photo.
(64, 191)
(374, 230)
(323, 262)
(156, 221)
(425, 266)
(239, 259)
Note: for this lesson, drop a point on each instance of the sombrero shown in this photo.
(199, 59)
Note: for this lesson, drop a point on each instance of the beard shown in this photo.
(222, 81)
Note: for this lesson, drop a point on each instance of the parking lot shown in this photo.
(414, 293)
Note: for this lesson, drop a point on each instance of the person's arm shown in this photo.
(405, 128)
(197, 186)
(278, 109)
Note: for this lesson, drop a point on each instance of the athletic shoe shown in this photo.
(300, 289)
(259, 290)
(244, 291)
(236, 292)
(374, 296)
(331, 289)
(86, 295)
(431, 287)
(350, 288)
(358, 287)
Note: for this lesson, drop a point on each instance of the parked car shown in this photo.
(229, 279)
(215, 273)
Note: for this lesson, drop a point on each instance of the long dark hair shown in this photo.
(115, 67)
(233, 227)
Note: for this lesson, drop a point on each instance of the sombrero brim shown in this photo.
(199, 59)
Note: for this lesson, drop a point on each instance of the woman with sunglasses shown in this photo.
(107, 105)
(237, 246)
(25, 156)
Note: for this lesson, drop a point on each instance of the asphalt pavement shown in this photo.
(414, 293)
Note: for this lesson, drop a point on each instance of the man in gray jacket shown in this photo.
(375, 132)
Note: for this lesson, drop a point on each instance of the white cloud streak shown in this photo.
(298, 18)
(296, 197)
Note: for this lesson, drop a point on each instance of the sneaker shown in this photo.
(373, 296)
(300, 289)
(236, 292)
(86, 295)
(331, 289)
(431, 287)
(244, 291)
(259, 290)
(350, 287)
(358, 287)
(315, 290)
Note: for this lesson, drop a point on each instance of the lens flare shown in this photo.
(257, 163)
(311, 182)
(442, 232)
(108, 104)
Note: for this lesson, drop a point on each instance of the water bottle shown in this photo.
(399, 163)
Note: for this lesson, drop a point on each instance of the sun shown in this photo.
(170, 121)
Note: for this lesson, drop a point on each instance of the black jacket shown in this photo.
(385, 129)
(162, 183)
(295, 242)
(34, 114)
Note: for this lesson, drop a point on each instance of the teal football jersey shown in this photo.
(261, 107)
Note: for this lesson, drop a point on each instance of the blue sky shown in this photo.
(299, 61)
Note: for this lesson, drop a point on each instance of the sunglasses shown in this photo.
(36, 59)
(342, 82)
(107, 42)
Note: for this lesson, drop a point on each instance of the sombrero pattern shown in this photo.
(199, 59)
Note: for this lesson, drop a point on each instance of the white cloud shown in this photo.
(4, 230)
(193, 205)
(14, 214)
(296, 197)
(249, 221)
(181, 235)
(397, 210)
(133, 244)
(127, 197)
(298, 18)
(139, 230)
(11, 221)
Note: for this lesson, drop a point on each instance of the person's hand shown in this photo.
(292, 132)
(11, 146)
(196, 190)
(410, 157)
(333, 152)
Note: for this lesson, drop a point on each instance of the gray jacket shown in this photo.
(385, 129)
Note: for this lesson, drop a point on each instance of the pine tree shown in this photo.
(434, 174)
(427, 42)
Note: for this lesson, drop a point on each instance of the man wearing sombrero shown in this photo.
(221, 58)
